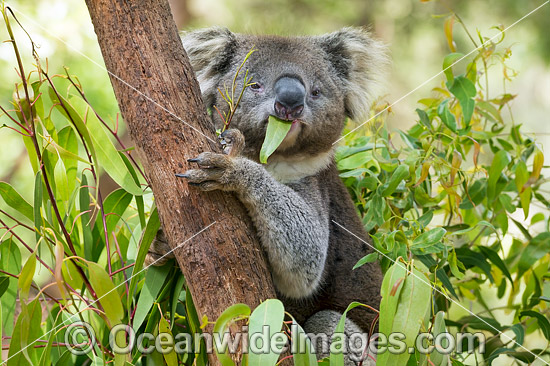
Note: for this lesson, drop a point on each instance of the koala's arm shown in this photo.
(291, 225)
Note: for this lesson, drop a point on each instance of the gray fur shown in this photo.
(294, 199)
(320, 328)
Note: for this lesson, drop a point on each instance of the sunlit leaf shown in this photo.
(270, 314)
(222, 326)
(61, 182)
(148, 235)
(428, 238)
(15, 201)
(500, 161)
(465, 91)
(154, 278)
(171, 358)
(302, 344)
(106, 292)
(449, 22)
(414, 302)
(25, 334)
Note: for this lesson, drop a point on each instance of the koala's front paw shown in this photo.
(216, 171)
(232, 141)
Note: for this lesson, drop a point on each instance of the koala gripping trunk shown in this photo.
(160, 101)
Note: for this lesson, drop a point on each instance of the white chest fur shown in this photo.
(291, 169)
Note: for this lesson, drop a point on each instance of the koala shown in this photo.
(296, 201)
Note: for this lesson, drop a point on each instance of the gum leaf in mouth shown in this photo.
(277, 129)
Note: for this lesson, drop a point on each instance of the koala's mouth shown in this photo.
(292, 135)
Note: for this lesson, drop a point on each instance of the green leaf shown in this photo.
(536, 249)
(10, 261)
(277, 130)
(302, 348)
(67, 136)
(25, 278)
(448, 61)
(103, 152)
(489, 111)
(519, 331)
(428, 238)
(115, 205)
(26, 332)
(392, 285)
(472, 259)
(400, 173)
(37, 215)
(465, 91)
(175, 296)
(500, 161)
(147, 238)
(446, 116)
(61, 182)
(437, 358)
(154, 278)
(522, 175)
(492, 256)
(414, 302)
(542, 320)
(78, 123)
(84, 206)
(15, 201)
(171, 357)
(222, 326)
(4, 284)
(106, 292)
(424, 119)
(369, 258)
(355, 161)
(269, 314)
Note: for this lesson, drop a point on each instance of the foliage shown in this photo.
(440, 206)
(81, 255)
(446, 199)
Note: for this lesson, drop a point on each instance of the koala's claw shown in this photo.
(232, 142)
(215, 172)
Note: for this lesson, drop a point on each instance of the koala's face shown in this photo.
(314, 82)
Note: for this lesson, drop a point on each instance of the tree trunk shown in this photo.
(160, 101)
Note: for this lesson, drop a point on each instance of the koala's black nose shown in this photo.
(290, 94)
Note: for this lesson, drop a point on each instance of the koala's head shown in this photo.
(316, 82)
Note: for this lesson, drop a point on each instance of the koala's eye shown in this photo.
(316, 93)
(256, 87)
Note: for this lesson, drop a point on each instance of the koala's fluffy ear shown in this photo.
(361, 62)
(210, 51)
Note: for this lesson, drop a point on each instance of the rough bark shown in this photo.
(153, 83)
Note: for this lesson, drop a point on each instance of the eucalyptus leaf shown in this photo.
(465, 91)
(15, 201)
(266, 318)
(277, 130)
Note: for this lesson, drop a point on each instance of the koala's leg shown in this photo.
(320, 328)
(159, 252)
(292, 223)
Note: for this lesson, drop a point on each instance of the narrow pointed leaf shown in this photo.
(276, 132)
